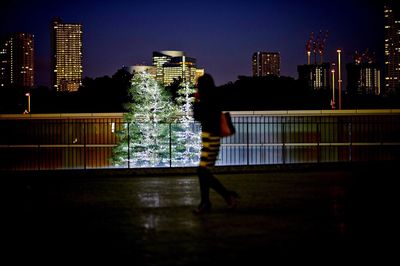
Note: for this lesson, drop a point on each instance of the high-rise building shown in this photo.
(140, 69)
(66, 55)
(266, 63)
(17, 60)
(172, 65)
(162, 57)
(363, 76)
(180, 67)
(315, 75)
(392, 45)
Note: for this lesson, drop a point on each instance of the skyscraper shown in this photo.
(180, 67)
(266, 63)
(363, 76)
(392, 45)
(17, 61)
(162, 57)
(172, 65)
(316, 76)
(66, 55)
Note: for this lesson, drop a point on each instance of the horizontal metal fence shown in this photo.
(73, 143)
(311, 139)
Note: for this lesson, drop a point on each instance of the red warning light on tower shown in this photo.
(317, 46)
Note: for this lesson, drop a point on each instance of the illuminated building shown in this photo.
(392, 46)
(199, 72)
(172, 65)
(17, 61)
(161, 58)
(66, 55)
(180, 67)
(315, 75)
(141, 68)
(266, 63)
(363, 76)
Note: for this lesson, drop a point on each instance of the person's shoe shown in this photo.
(232, 199)
(203, 208)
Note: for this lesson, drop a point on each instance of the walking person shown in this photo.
(208, 112)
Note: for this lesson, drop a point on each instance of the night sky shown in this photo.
(221, 35)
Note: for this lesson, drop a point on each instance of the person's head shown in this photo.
(205, 83)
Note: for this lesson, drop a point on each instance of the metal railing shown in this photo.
(261, 138)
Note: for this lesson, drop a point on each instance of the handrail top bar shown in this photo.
(233, 113)
(317, 112)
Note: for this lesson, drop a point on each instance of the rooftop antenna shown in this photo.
(321, 45)
(309, 46)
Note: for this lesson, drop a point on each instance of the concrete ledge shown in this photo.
(177, 171)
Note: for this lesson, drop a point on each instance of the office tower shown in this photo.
(162, 57)
(17, 60)
(66, 55)
(172, 65)
(316, 76)
(180, 67)
(266, 63)
(140, 69)
(392, 46)
(363, 76)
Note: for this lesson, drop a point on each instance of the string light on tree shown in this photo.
(188, 132)
(145, 139)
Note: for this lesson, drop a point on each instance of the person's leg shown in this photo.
(231, 197)
(205, 204)
(207, 159)
(209, 154)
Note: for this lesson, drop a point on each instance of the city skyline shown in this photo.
(221, 35)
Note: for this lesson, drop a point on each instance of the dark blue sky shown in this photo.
(221, 35)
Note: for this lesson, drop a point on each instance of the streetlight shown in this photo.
(333, 86)
(29, 102)
(339, 79)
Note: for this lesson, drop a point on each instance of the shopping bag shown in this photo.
(227, 128)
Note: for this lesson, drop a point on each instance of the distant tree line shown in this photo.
(110, 94)
(286, 93)
(102, 94)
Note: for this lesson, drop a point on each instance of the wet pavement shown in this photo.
(314, 216)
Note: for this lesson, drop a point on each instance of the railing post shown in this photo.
(283, 140)
(248, 140)
(38, 136)
(170, 144)
(129, 147)
(84, 145)
(319, 139)
(350, 141)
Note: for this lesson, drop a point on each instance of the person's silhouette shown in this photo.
(208, 112)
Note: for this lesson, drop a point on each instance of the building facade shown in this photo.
(66, 56)
(315, 75)
(140, 69)
(266, 63)
(392, 46)
(162, 57)
(180, 67)
(171, 65)
(363, 76)
(17, 60)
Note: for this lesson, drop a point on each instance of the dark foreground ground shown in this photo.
(319, 216)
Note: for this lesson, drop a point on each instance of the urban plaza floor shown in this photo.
(320, 215)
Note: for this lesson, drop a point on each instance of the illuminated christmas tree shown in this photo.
(187, 131)
(145, 139)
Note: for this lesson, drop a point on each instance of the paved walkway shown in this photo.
(318, 217)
